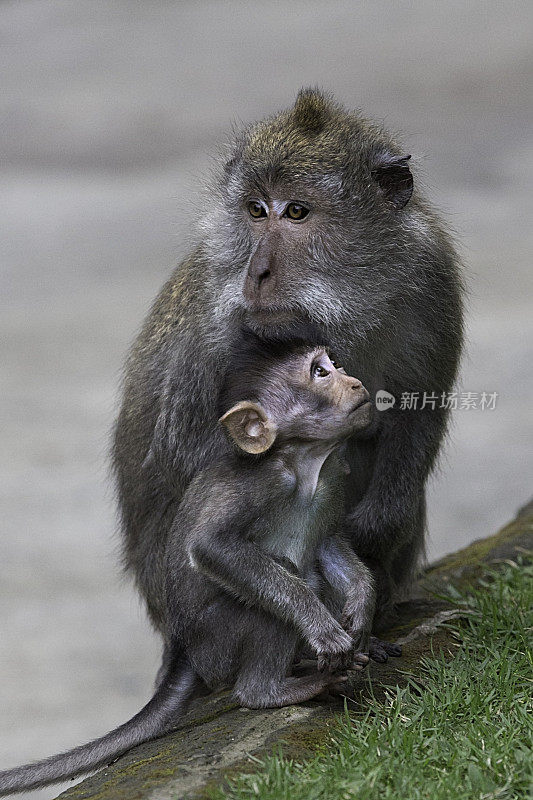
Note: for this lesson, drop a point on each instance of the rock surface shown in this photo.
(217, 737)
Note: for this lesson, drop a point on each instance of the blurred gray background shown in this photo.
(111, 112)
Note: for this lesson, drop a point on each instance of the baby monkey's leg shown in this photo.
(263, 680)
(287, 691)
(352, 582)
(350, 578)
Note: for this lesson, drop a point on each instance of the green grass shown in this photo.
(461, 731)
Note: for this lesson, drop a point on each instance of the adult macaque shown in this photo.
(253, 553)
(314, 219)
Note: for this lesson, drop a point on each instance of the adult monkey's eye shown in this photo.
(296, 212)
(318, 371)
(256, 210)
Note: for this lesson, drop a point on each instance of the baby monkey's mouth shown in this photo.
(361, 404)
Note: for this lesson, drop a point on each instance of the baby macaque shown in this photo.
(262, 550)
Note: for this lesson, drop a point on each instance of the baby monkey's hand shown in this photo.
(332, 645)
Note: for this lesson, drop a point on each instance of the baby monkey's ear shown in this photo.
(249, 426)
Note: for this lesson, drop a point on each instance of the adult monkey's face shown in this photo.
(308, 212)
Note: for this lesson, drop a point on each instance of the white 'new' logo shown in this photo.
(384, 400)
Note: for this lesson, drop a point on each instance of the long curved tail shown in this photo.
(168, 703)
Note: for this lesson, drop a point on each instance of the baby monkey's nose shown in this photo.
(358, 387)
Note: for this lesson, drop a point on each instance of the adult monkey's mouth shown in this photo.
(271, 316)
(285, 323)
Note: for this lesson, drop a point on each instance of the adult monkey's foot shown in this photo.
(380, 651)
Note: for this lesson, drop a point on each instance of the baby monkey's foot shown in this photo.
(380, 651)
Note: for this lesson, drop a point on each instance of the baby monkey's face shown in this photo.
(304, 397)
(327, 403)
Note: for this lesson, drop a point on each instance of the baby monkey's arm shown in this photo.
(215, 520)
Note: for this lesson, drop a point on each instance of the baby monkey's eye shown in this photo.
(318, 371)
(296, 212)
(337, 365)
(256, 210)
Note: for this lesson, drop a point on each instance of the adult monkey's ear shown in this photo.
(249, 427)
(394, 179)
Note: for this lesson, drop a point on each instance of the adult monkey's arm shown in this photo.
(386, 523)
